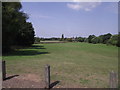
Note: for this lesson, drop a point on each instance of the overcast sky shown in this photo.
(52, 19)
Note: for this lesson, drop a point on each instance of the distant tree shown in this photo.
(62, 38)
(101, 38)
(80, 39)
(106, 37)
(95, 40)
(118, 44)
(37, 40)
(114, 40)
(90, 38)
(42, 39)
(86, 40)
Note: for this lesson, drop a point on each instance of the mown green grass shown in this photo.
(73, 64)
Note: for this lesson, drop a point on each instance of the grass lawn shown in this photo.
(73, 64)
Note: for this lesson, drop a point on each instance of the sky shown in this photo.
(52, 19)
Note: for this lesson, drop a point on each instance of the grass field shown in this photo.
(73, 64)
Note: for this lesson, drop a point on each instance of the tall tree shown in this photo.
(15, 29)
(62, 38)
(9, 23)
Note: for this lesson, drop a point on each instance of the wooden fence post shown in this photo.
(113, 80)
(3, 70)
(47, 76)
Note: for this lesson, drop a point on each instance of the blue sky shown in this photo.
(52, 19)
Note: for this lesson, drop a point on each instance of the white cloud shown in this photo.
(74, 6)
(86, 6)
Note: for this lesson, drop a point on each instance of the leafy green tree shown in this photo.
(25, 36)
(86, 40)
(95, 40)
(118, 44)
(10, 24)
(106, 37)
(15, 29)
(90, 38)
(101, 38)
(80, 39)
(62, 38)
(114, 40)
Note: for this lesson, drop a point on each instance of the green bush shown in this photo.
(95, 40)
(113, 40)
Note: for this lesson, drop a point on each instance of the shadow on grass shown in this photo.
(54, 84)
(36, 47)
(10, 77)
(27, 51)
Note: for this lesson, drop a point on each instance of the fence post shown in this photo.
(113, 80)
(3, 70)
(47, 76)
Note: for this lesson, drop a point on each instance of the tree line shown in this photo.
(16, 31)
(108, 39)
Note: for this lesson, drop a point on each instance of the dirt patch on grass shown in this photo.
(31, 77)
(23, 81)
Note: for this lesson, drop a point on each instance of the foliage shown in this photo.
(53, 39)
(108, 39)
(90, 38)
(118, 44)
(80, 39)
(113, 40)
(105, 38)
(37, 40)
(86, 40)
(25, 36)
(95, 40)
(62, 38)
(15, 29)
(9, 23)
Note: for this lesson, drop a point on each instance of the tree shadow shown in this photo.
(33, 47)
(10, 77)
(37, 47)
(54, 84)
(27, 51)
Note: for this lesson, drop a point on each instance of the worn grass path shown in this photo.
(73, 64)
